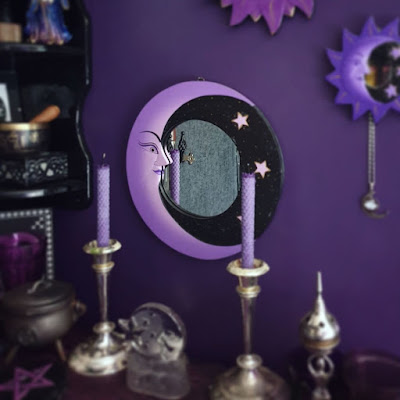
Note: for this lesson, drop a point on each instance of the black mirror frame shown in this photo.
(255, 143)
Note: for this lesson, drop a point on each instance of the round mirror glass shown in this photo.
(383, 79)
(205, 161)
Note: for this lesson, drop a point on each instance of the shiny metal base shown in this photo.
(103, 354)
(250, 381)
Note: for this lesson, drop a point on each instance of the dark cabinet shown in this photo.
(60, 75)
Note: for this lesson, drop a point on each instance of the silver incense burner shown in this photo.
(320, 334)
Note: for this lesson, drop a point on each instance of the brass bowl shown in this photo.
(23, 138)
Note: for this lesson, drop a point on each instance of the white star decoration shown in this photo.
(262, 168)
(241, 120)
(395, 53)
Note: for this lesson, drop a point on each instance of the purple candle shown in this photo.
(175, 176)
(103, 205)
(248, 204)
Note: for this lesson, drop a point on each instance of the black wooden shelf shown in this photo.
(40, 48)
(47, 195)
(43, 75)
(48, 189)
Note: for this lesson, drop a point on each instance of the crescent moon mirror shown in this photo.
(185, 155)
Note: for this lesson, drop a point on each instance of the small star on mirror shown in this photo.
(262, 168)
(241, 120)
(395, 53)
(391, 91)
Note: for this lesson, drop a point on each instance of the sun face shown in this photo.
(367, 71)
(272, 11)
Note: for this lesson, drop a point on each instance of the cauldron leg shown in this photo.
(60, 350)
(11, 354)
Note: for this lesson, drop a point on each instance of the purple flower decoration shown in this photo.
(271, 10)
(356, 75)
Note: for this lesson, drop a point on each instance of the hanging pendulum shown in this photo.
(369, 203)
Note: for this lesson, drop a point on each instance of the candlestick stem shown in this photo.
(102, 289)
(248, 308)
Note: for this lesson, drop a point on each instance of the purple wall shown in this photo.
(142, 47)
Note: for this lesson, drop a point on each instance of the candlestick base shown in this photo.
(103, 354)
(250, 381)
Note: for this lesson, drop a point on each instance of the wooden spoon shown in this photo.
(47, 115)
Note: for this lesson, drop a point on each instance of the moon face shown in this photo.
(146, 160)
(356, 68)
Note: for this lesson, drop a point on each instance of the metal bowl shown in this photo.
(23, 138)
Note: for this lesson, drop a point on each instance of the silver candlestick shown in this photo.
(105, 353)
(320, 334)
(249, 380)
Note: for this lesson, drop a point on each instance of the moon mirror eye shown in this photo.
(383, 79)
(150, 147)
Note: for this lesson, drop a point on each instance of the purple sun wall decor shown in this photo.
(367, 70)
(272, 11)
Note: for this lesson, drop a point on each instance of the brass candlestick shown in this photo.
(320, 334)
(104, 353)
(249, 380)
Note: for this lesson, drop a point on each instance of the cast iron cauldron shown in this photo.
(39, 313)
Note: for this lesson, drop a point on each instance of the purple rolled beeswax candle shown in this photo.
(175, 175)
(248, 204)
(103, 205)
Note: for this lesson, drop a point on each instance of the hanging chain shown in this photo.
(371, 153)
(369, 202)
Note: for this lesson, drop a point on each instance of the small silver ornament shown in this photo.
(320, 334)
